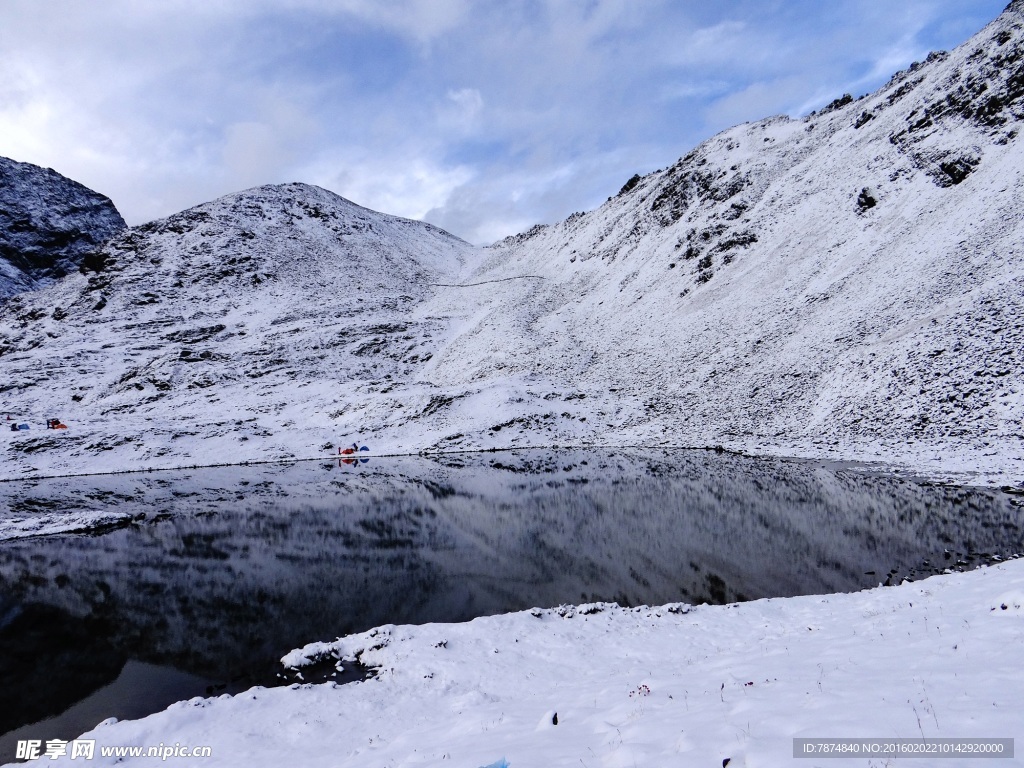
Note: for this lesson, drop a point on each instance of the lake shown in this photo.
(224, 570)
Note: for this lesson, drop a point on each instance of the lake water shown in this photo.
(225, 570)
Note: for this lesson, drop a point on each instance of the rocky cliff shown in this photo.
(48, 224)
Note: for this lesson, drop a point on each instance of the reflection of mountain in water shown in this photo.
(45, 650)
(233, 567)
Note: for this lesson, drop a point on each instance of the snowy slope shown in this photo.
(847, 284)
(229, 322)
(48, 224)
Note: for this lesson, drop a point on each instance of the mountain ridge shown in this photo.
(714, 216)
(844, 285)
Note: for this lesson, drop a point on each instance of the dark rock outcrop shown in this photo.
(48, 225)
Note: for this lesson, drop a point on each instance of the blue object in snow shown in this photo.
(23, 426)
(503, 763)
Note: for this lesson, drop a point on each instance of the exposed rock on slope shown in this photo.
(850, 283)
(48, 223)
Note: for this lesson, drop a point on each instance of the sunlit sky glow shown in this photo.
(481, 117)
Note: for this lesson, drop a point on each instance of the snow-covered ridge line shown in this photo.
(847, 285)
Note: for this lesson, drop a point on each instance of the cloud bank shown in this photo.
(482, 118)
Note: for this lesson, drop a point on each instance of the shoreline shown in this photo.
(1009, 478)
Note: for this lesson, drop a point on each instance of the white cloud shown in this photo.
(408, 185)
(419, 20)
(480, 116)
(672, 91)
(488, 207)
(462, 112)
(261, 151)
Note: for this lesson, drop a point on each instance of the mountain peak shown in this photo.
(284, 204)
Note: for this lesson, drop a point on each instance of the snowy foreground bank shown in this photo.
(676, 685)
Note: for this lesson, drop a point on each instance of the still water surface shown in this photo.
(225, 570)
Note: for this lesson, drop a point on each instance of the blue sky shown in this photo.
(481, 117)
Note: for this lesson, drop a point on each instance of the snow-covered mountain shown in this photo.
(247, 319)
(849, 283)
(48, 224)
